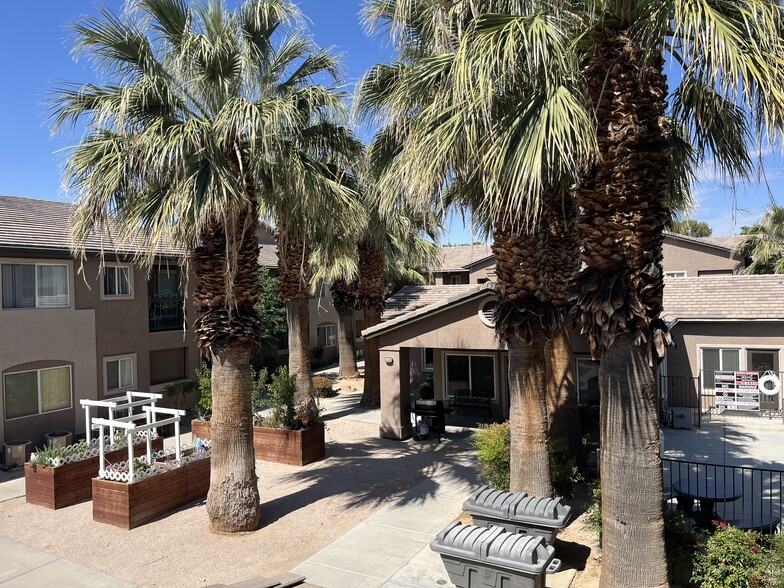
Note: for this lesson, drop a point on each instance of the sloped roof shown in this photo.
(727, 242)
(460, 257)
(751, 298)
(27, 223)
(415, 302)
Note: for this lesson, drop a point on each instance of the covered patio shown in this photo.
(446, 332)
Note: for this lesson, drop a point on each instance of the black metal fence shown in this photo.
(684, 403)
(680, 402)
(744, 497)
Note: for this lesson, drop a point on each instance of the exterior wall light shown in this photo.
(389, 361)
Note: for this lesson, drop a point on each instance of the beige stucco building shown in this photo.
(73, 329)
(719, 321)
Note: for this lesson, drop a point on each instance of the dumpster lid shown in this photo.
(493, 545)
(518, 507)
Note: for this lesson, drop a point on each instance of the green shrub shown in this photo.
(282, 391)
(730, 558)
(563, 467)
(259, 400)
(204, 407)
(427, 389)
(776, 561)
(316, 353)
(593, 519)
(681, 541)
(322, 387)
(492, 447)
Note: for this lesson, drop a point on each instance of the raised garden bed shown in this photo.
(128, 505)
(298, 447)
(70, 483)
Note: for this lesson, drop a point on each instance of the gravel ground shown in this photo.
(302, 510)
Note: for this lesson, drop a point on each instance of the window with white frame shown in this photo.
(117, 281)
(326, 335)
(587, 381)
(35, 285)
(34, 392)
(470, 372)
(118, 372)
(678, 274)
(717, 359)
(427, 359)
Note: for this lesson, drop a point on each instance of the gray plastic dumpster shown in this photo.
(518, 513)
(479, 557)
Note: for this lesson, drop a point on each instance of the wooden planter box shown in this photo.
(200, 429)
(279, 445)
(70, 483)
(130, 505)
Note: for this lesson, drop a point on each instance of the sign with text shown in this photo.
(737, 390)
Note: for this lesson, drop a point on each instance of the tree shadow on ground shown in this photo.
(572, 555)
(370, 471)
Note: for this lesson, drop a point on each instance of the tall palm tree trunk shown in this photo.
(298, 321)
(232, 501)
(620, 298)
(631, 470)
(344, 300)
(228, 327)
(522, 317)
(529, 459)
(293, 288)
(371, 297)
(563, 413)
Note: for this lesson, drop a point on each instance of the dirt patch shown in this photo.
(302, 510)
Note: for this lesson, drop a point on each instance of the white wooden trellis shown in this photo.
(128, 423)
(126, 404)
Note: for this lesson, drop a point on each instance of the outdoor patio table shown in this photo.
(709, 491)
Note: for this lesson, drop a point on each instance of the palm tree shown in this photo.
(344, 298)
(192, 133)
(420, 94)
(522, 52)
(764, 243)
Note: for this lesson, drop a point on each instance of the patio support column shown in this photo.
(395, 393)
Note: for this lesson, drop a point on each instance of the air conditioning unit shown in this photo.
(681, 418)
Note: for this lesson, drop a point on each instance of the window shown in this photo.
(27, 285)
(473, 372)
(326, 335)
(587, 382)
(680, 274)
(454, 280)
(118, 372)
(117, 281)
(717, 360)
(427, 359)
(37, 391)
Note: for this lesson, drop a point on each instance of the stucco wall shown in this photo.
(122, 328)
(690, 257)
(37, 338)
(683, 359)
(483, 271)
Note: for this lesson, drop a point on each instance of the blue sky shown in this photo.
(34, 53)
